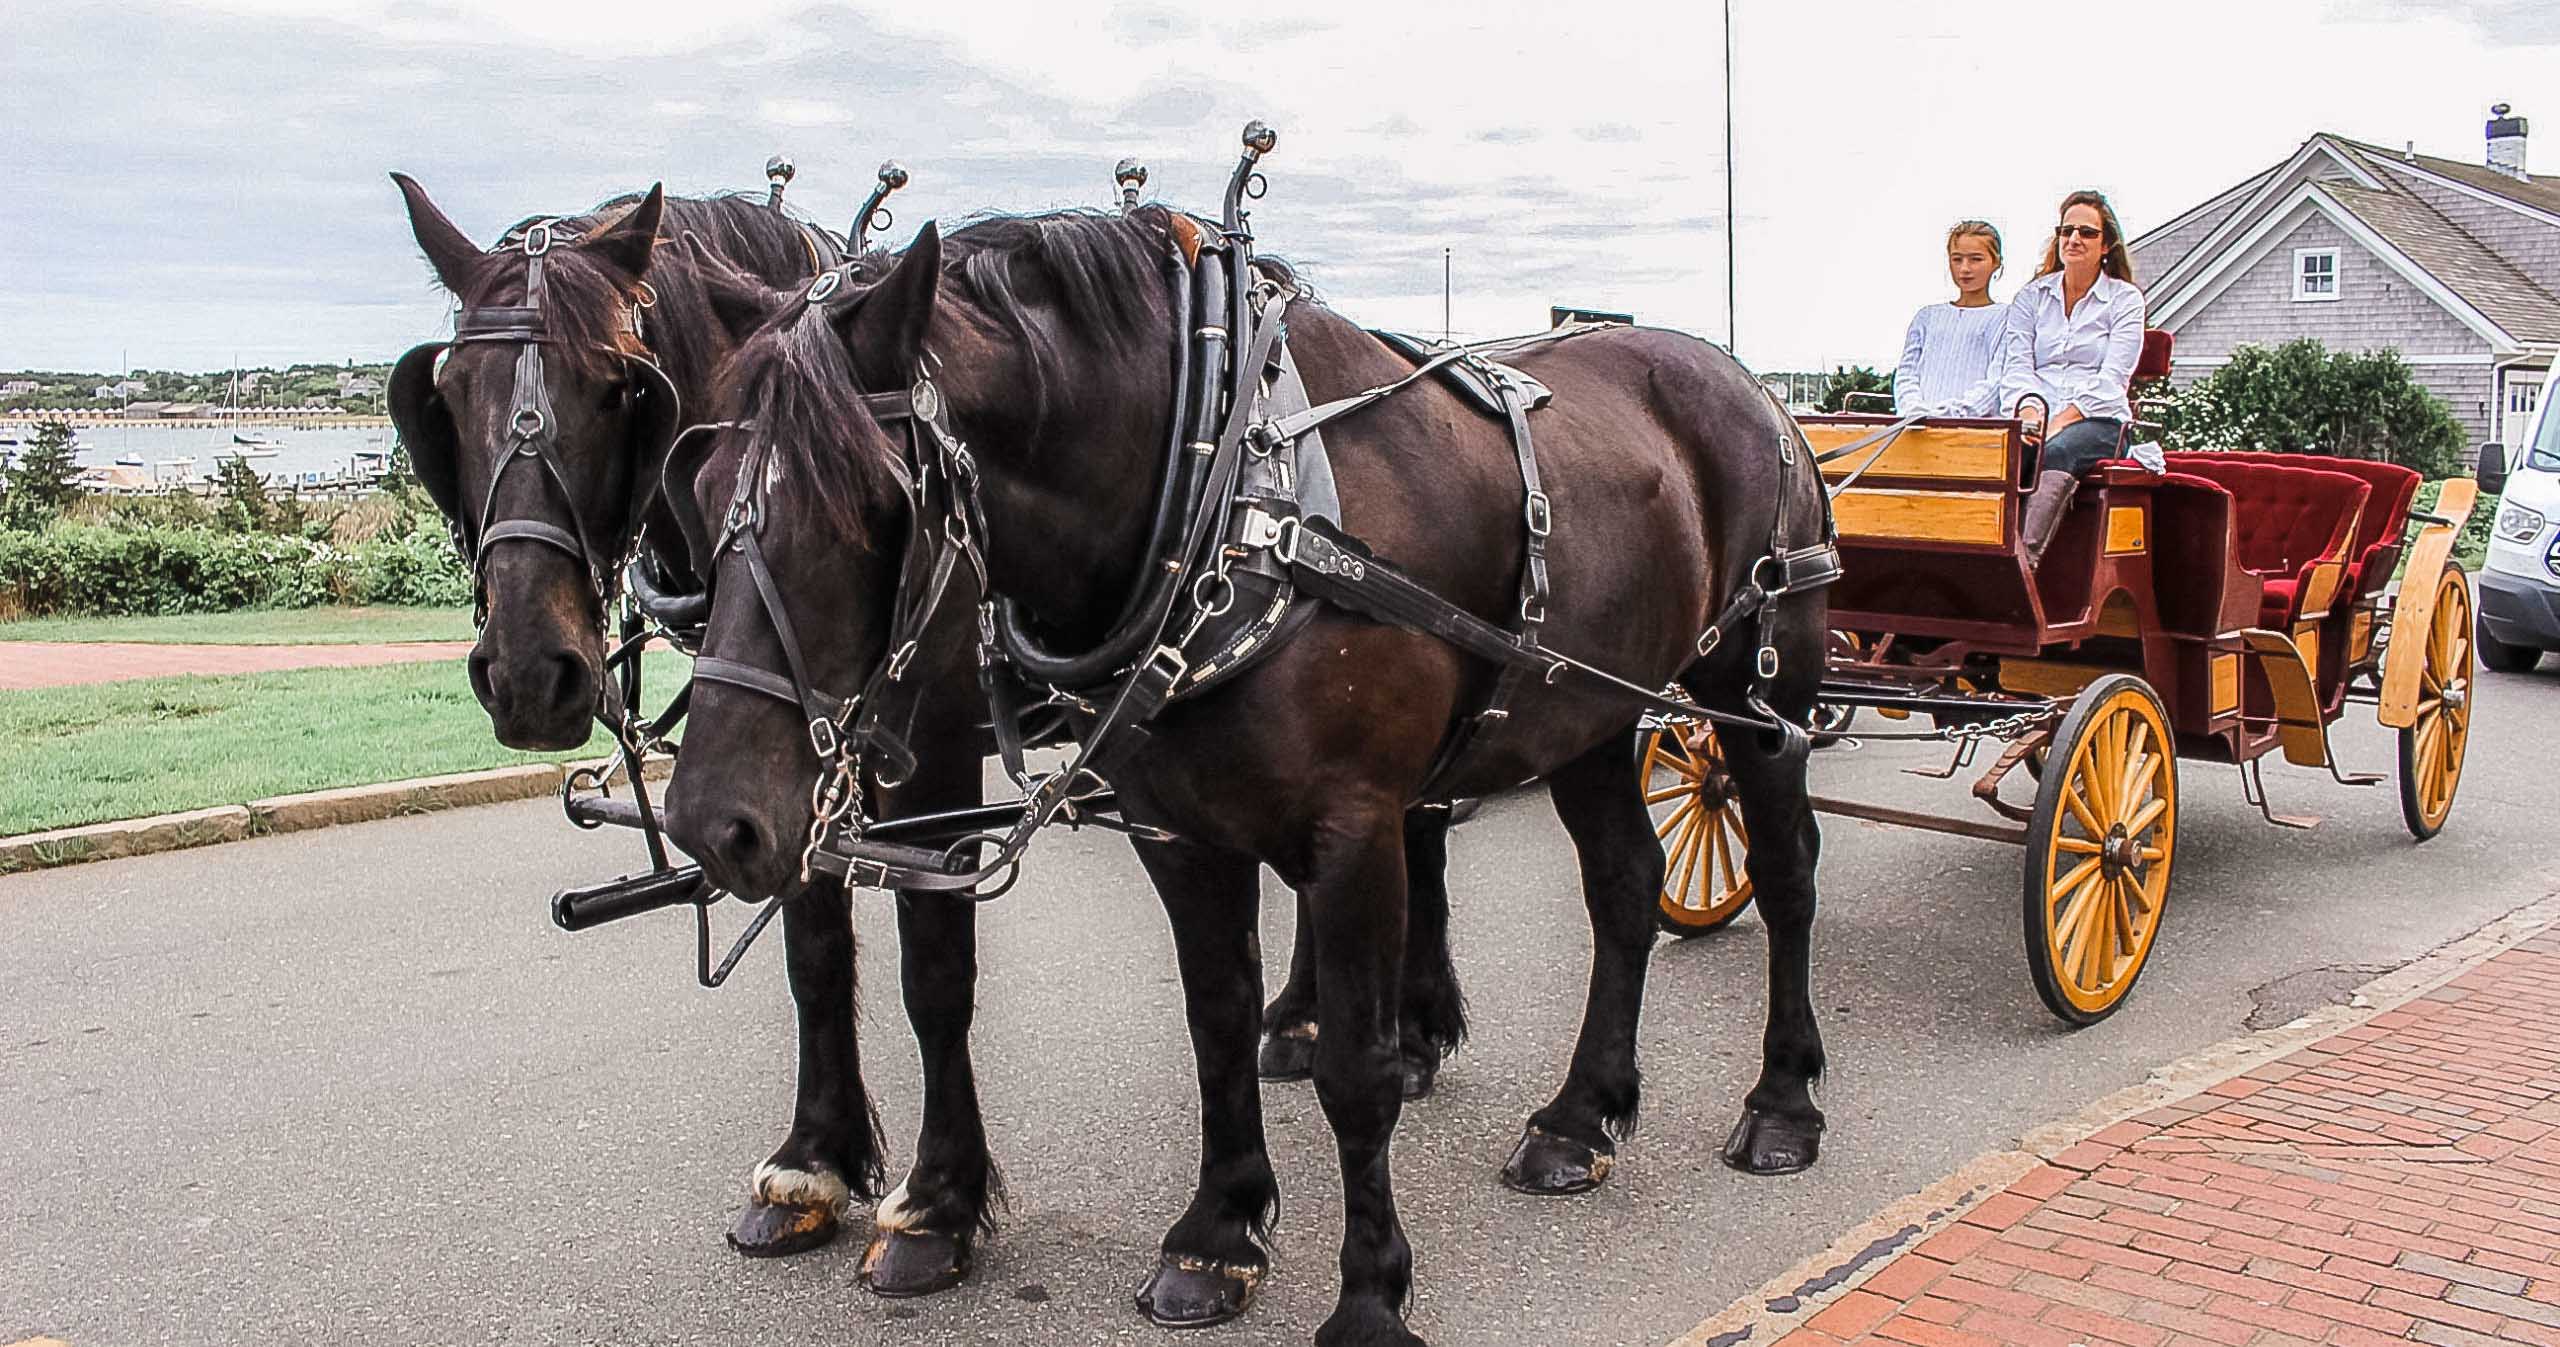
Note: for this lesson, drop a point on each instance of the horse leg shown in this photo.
(832, 1153)
(1215, 1257)
(1356, 896)
(1289, 1022)
(921, 1235)
(1571, 1144)
(1781, 1130)
(1433, 1012)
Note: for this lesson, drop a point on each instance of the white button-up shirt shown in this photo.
(2084, 359)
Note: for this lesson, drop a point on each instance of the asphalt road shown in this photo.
(351, 1086)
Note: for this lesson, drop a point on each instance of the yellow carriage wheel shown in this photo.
(2099, 848)
(2431, 749)
(1688, 791)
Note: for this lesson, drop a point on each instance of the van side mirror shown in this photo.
(2492, 472)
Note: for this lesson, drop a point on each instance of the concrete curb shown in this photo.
(1788, 1301)
(287, 813)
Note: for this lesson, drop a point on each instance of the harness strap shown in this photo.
(1338, 569)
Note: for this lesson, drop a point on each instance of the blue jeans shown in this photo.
(2078, 447)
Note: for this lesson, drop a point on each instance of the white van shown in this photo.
(2520, 584)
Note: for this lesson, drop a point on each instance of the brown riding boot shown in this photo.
(2045, 509)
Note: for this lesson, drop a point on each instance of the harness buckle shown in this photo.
(1768, 661)
(1531, 611)
(1709, 640)
(1284, 539)
(1540, 514)
(822, 737)
(537, 238)
(1261, 528)
(898, 662)
(824, 286)
(528, 422)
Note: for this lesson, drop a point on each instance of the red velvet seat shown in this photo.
(2286, 520)
(2375, 550)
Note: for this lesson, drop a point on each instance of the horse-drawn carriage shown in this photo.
(2228, 608)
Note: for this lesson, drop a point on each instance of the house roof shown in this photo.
(2463, 273)
(2490, 282)
(2540, 191)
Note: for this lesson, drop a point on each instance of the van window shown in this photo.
(2546, 440)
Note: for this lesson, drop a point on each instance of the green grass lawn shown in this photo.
(255, 626)
(157, 745)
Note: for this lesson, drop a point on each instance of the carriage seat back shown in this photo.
(2375, 549)
(2287, 522)
(2153, 363)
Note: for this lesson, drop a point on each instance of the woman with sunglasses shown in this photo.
(2073, 336)
(1951, 354)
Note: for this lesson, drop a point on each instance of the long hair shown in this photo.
(2115, 261)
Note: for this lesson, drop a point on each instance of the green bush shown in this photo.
(2302, 397)
(112, 571)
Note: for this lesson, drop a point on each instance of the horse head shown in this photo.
(539, 424)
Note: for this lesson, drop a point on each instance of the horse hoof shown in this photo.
(1289, 1054)
(1773, 1143)
(1190, 1292)
(1548, 1165)
(777, 1229)
(1420, 1075)
(904, 1264)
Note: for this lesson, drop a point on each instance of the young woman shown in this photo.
(2072, 338)
(1951, 354)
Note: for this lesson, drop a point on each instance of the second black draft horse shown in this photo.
(1044, 337)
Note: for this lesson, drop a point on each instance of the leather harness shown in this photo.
(1247, 530)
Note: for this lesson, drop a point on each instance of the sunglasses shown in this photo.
(2078, 231)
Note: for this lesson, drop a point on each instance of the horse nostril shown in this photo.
(478, 666)
(568, 680)
(741, 843)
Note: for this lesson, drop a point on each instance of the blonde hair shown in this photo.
(1978, 229)
(2114, 261)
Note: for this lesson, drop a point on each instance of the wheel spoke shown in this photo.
(2138, 759)
(1685, 858)
(2080, 809)
(2141, 822)
(1725, 858)
(2070, 928)
(2137, 785)
(2078, 845)
(1668, 792)
(1687, 807)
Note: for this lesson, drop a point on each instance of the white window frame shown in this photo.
(2304, 295)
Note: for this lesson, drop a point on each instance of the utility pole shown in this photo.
(1444, 294)
(1731, 222)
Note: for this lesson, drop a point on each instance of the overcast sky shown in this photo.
(187, 184)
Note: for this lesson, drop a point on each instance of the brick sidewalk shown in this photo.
(53, 664)
(2397, 1182)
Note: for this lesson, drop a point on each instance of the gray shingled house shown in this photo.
(2457, 265)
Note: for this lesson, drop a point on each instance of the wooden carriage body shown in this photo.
(2247, 589)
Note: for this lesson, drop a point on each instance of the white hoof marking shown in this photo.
(799, 1187)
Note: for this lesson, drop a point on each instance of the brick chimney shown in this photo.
(2506, 142)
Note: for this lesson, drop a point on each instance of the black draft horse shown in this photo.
(616, 294)
(1046, 336)
(538, 669)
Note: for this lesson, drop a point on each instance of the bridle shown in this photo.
(939, 479)
(533, 431)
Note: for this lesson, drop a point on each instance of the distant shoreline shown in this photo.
(313, 421)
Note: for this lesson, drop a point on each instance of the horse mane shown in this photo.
(793, 378)
(588, 296)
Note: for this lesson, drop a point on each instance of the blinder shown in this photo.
(425, 426)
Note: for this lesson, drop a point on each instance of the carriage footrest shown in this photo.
(629, 896)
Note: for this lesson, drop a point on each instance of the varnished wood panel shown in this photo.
(1921, 516)
(1935, 453)
(2127, 529)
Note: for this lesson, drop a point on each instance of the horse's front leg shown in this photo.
(1215, 1257)
(1356, 896)
(1570, 1145)
(921, 1236)
(796, 1199)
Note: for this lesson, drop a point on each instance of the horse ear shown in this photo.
(889, 323)
(629, 242)
(740, 302)
(450, 251)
